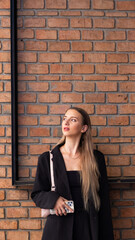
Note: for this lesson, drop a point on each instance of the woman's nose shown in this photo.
(67, 122)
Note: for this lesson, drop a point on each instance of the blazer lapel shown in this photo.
(60, 174)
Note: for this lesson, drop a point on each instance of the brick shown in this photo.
(46, 34)
(127, 109)
(26, 97)
(4, 57)
(37, 68)
(117, 98)
(106, 86)
(70, 13)
(2, 194)
(58, 109)
(71, 78)
(95, 97)
(35, 212)
(131, 35)
(27, 120)
(72, 57)
(94, 57)
(25, 33)
(129, 194)
(109, 131)
(2, 172)
(61, 87)
(85, 4)
(59, 46)
(81, 46)
(83, 68)
(2, 131)
(58, 22)
(43, 132)
(47, 13)
(128, 149)
(8, 224)
(93, 13)
(5, 4)
(128, 234)
(4, 33)
(1, 213)
(127, 87)
(17, 212)
(0, 68)
(48, 78)
(104, 46)
(121, 140)
(48, 97)
(113, 171)
(57, 132)
(117, 57)
(92, 35)
(29, 224)
(132, 98)
(125, 5)
(38, 87)
(36, 109)
(34, 4)
(119, 161)
(35, 235)
(106, 68)
(116, 14)
(115, 35)
(5, 120)
(5, 97)
(34, 22)
(38, 149)
(126, 46)
(98, 120)
(35, 45)
(17, 235)
(106, 109)
(103, 23)
(60, 68)
(49, 57)
(126, 69)
(118, 120)
(109, 149)
(102, 4)
(2, 235)
(49, 120)
(59, 4)
(69, 35)
(125, 23)
(84, 86)
(27, 57)
(71, 97)
(128, 131)
(80, 23)
(132, 58)
(117, 78)
(129, 172)
(6, 45)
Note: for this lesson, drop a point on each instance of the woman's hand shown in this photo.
(60, 207)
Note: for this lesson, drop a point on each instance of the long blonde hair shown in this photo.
(90, 173)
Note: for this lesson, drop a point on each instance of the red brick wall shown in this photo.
(69, 53)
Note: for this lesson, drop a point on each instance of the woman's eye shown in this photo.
(64, 119)
(73, 120)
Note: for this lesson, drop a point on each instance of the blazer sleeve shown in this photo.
(41, 193)
(105, 219)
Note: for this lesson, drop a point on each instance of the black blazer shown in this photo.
(60, 227)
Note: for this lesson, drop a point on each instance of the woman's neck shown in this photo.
(71, 146)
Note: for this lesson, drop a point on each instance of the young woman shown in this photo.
(80, 175)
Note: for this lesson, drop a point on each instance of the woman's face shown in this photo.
(72, 123)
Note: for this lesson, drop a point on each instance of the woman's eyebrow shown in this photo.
(71, 117)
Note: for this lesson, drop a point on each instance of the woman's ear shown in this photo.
(84, 128)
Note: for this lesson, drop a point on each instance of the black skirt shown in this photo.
(81, 229)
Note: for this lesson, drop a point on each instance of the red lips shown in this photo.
(66, 129)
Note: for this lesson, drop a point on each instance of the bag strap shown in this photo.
(52, 172)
